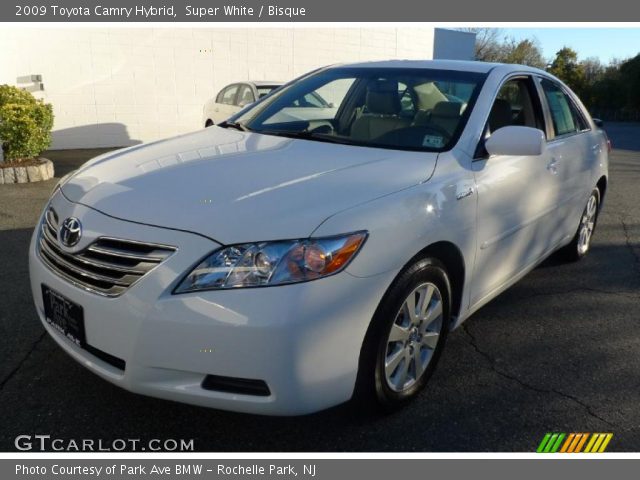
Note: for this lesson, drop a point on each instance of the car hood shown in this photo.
(237, 186)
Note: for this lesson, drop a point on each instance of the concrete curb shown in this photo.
(27, 174)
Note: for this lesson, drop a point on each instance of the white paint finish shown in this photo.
(122, 86)
(516, 140)
(517, 197)
(262, 188)
(323, 178)
(303, 376)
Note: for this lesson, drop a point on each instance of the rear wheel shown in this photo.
(406, 337)
(208, 123)
(581, 243)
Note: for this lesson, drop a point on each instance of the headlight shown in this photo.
(273, 263)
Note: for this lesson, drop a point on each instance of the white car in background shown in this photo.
(233, 98)
(282, 264)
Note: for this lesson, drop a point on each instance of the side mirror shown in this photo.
(599, 123)
(515, 141)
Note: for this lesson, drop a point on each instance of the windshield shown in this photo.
(406, 109)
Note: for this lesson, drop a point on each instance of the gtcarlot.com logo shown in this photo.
(574, 443)
(45, 443)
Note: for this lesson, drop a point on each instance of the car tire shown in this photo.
(419, 339)
(581, 243)
(208, 123)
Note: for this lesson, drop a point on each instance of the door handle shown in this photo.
(552, 166)
(467, 192)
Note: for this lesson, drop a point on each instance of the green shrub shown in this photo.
(25, 124)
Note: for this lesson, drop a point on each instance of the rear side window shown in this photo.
(227, 95)
(245, 97)
(564, 114)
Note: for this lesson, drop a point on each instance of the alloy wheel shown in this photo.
(413, 337)
(587, 224)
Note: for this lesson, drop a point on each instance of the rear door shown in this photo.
(516, 194)
(570, 147)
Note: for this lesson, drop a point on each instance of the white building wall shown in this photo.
(121, 86)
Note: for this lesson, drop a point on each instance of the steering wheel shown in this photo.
(324, 128)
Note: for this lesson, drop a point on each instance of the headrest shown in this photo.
(383, 98)
(501, 114)
(447, 109)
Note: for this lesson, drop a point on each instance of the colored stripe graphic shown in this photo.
(606, 441)
(574, 444)
(567, 442)
(581, 443)
(592, 440)
(543, 443)
(555, 442)
(556, 446)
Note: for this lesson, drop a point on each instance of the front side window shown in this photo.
(516, 104)
(564, 114)
(406, 109)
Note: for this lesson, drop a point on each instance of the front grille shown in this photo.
(109, 266)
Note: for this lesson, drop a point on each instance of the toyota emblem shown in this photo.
(70, 232)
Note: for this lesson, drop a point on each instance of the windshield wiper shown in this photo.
(306, 135)
(237, 125)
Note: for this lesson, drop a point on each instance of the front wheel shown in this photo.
(581, 243)
(406, 337)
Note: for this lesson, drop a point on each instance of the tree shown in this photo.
(25, 124)
(491, 46)
(567, 68)
(487, 43)
(593, 70)
(630, 76)
(606, 93)
(523, 52)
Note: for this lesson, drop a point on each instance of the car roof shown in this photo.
(457, 65)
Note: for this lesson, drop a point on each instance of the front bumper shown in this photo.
(303, 340)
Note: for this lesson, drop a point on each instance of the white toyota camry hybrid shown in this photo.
(286, 261)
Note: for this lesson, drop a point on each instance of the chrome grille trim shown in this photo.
(124, 254)
(108, 266)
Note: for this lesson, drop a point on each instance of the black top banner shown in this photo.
(318, 11)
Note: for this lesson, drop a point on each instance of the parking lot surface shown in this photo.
(559, 351)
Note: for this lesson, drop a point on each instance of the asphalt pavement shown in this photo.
(558, 352)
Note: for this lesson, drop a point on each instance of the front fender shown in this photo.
(402, 224)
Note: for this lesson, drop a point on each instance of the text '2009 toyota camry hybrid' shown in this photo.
(304, 253)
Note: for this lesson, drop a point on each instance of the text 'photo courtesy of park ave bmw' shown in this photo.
(360, 227)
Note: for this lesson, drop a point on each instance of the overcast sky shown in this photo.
(604, 43)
